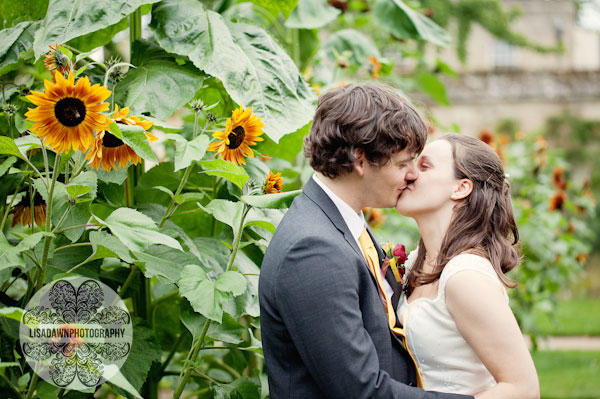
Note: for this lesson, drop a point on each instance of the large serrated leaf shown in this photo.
(134, 137)
(360, 45)
(106, 245)
(15, 41)
(228, 170)
(187, 152)
(136, 230)
(8, 147)
(404, 22)
(311, 14)
(195, 285)
(273, 201)
(158, 85)
(66, 20)
(254, 70)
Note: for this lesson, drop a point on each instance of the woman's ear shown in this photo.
(462, 190)
(360, 161)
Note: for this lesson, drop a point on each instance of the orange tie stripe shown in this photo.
(373, 261)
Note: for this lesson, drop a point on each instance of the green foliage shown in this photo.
(182, 242)
(574, 317)
(490, 14)
(568, 374)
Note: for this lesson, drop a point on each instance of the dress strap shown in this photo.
(464, 262)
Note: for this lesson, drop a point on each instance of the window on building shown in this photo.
(505, 55)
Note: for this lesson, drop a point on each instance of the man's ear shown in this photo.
(360, 160)
(462, 190)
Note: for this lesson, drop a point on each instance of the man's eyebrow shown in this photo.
(408, 158)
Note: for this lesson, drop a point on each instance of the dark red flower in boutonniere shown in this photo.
(395, 256)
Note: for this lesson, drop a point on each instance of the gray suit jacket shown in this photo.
(323, 326)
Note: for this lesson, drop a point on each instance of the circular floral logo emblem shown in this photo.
(76, 333)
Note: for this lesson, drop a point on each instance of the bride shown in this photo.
(455, 313)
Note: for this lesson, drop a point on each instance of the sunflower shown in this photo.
(242, 131)
(22, 211)
(55, 60)
(273, 183)
(111, 152)
(67, 113)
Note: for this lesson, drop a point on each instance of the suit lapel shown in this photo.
(319, 197)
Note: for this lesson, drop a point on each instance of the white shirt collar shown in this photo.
(355, 221)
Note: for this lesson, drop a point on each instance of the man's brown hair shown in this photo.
(368, 116)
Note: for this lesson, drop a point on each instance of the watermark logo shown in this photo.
(76, 333)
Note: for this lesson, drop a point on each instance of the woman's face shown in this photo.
(432, 190)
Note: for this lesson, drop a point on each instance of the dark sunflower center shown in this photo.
(236, 137)
(70, 111)
(111, 141)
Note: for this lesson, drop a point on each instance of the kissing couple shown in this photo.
(334, 324)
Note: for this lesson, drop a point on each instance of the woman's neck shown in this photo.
(433, 227)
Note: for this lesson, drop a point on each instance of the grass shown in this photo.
(568, 374)
(572, 317)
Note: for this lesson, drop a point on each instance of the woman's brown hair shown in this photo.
(482, 223)
(369, 116)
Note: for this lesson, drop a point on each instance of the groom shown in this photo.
(324, 325)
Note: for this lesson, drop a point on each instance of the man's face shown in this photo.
(384, 185)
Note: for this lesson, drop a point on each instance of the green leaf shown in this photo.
(13, 12)
(311, 14)
(273, 201)
(145, 350)
(86, 182)
(27, 143)
(431, 85)
(232, 282)
(158, 85)
(242, 388)
(136, 230)
(8, 162)
(229, 331)
(289, 146)
(277, 6)
(195, 285)
(360, 45)
(403, 22)
(134, 136)
(14, 42)
(187, 152)
(164, 262)
(66, 20)
(116, 176)
(106, 245)
(227, 212)
(228, 170)
(8, 147)
(254, 70)
(99, 38)
(165, 190)
(12, 313)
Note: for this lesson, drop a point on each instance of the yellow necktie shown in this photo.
(373, 261)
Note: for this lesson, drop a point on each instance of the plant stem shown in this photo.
(32, 386)
(12, 200)
(172, 205)
(187, 369)
(46, 165)
(77, 244)
(11, 385)
(48, 240)
(10, 126)
(127, 283)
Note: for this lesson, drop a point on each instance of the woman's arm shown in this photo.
(486, 322)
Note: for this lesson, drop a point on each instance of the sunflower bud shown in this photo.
(197, 105)
(9, 109)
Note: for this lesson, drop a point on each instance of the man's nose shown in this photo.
(413, 172)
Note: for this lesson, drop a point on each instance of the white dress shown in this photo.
(447, 363)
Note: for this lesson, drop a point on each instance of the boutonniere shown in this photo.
(395, 257)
